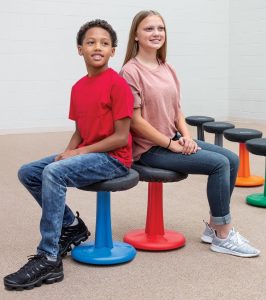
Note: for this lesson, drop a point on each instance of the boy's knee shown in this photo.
(23, 173)
(51, 171)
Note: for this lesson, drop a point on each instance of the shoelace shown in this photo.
(241, 236)
(237, 238)
(32, 259)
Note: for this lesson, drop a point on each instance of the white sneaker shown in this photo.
(234, 244)
(208, 234)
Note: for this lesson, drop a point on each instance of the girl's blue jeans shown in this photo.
(47, 181)
(220, 164)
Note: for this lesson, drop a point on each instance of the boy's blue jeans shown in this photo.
(219, 163)
(47, 181)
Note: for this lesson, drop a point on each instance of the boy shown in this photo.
(100, 149)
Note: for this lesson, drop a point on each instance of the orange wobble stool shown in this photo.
(241, 135)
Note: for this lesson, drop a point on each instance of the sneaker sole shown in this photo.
(75, 242)
(206, 239)
(47, 279)
(227, 251)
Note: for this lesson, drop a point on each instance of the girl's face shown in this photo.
(151, 33)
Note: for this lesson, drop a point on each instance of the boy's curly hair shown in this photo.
(96, 23)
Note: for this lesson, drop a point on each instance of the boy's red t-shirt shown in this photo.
(96, 102)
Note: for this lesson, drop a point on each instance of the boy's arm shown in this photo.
(72, 145)
(117, 140)
(75, 140)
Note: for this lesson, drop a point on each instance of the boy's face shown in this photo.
(96, 49)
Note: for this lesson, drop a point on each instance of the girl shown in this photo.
(161, 137)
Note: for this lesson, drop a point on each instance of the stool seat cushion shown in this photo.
(149, 174)
(117, 184)
(257, 146)
(217, 127)
(241, 135)
(198, 120)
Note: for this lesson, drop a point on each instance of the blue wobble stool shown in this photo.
(105, 251)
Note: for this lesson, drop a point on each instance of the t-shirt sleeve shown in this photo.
(135, 88)
(122, 99)
(177, 84)
(72, 112)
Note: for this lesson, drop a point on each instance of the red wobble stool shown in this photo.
(154, 237)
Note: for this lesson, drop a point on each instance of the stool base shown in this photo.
(141, 240)
(249, 181)
(257, 200)
(88, 254)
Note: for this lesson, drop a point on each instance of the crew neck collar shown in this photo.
(147, 68)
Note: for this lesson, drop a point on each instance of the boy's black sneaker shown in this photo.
(72, 235)
(36, 271)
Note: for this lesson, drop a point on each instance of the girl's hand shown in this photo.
(189, 145)
(67, 154)
(175, 146)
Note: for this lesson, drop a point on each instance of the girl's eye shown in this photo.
(149, 29)
(161, 28)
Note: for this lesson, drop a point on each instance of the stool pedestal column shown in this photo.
(154, 236)
(244, 178)
(258, 199)
(103, 251)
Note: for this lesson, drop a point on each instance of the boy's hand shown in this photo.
(67, 154)
(189, 146)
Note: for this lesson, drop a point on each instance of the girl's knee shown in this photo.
(223, 163)
(234, 160)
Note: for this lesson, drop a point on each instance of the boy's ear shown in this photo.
(113, 52)
(80, 50)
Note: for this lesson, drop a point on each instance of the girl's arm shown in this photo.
(147, 131)
(189, 146)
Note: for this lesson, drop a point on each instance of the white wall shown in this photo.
(247, 68)
(39, 61)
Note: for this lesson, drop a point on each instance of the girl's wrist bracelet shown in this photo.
(169, 144)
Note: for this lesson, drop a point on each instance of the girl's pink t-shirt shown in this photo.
(156, 92)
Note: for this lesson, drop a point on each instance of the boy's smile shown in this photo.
(96, 50)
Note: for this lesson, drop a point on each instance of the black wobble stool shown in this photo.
(105, 251)
(241, 135)
(154, 237)
(218, 129)
(258, 147)
(198, 121)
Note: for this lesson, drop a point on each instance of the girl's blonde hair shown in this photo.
(132, 45)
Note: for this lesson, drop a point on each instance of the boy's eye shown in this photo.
(105, 43)
(90, 42)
